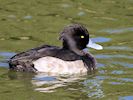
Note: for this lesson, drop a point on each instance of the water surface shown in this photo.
(27, 24)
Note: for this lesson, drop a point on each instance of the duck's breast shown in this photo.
(59, 66)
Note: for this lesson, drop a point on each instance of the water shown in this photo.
(27, 24)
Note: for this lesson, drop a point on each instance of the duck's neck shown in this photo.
(65, 45)
(73, 49)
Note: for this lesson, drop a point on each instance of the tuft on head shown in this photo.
(72, 30)
(75, 37)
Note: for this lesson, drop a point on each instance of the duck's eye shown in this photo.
(82, 36)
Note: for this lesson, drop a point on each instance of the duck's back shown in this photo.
(51, 55)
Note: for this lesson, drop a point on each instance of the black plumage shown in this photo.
(71, 50)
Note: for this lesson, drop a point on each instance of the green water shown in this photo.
(25, 24)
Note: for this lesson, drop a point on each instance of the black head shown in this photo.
(75, 37)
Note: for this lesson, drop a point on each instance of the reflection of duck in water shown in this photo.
(47, 83)
(92, 87)
(71, 58)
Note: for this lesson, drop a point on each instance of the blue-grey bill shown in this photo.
(94, 45)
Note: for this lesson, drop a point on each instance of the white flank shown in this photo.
(58, 66)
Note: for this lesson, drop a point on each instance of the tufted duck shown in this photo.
(71, 58)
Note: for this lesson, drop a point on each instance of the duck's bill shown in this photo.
(94, 45)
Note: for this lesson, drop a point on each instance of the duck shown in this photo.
(72, 58)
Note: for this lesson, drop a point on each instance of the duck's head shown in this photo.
(75, 37)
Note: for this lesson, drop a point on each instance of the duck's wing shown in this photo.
(24, 61)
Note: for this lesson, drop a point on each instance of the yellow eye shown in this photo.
(82, 36)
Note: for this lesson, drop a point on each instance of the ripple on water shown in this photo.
(47, 78)
(115, 83)
(126, 98)
(81, 13)
(101, 39)
(12, 16)
(117, 72)
(4, 64)
(102, 77)
(28, 17)
(100, 65)
(102, 71)
(114, 78)
(113, 56)
(118, 48)
(124, 64)
(94, 88)
(7, 54)
(126, 79)
(22, 38)
(119, 30)
(45, 82)
(65, 5)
